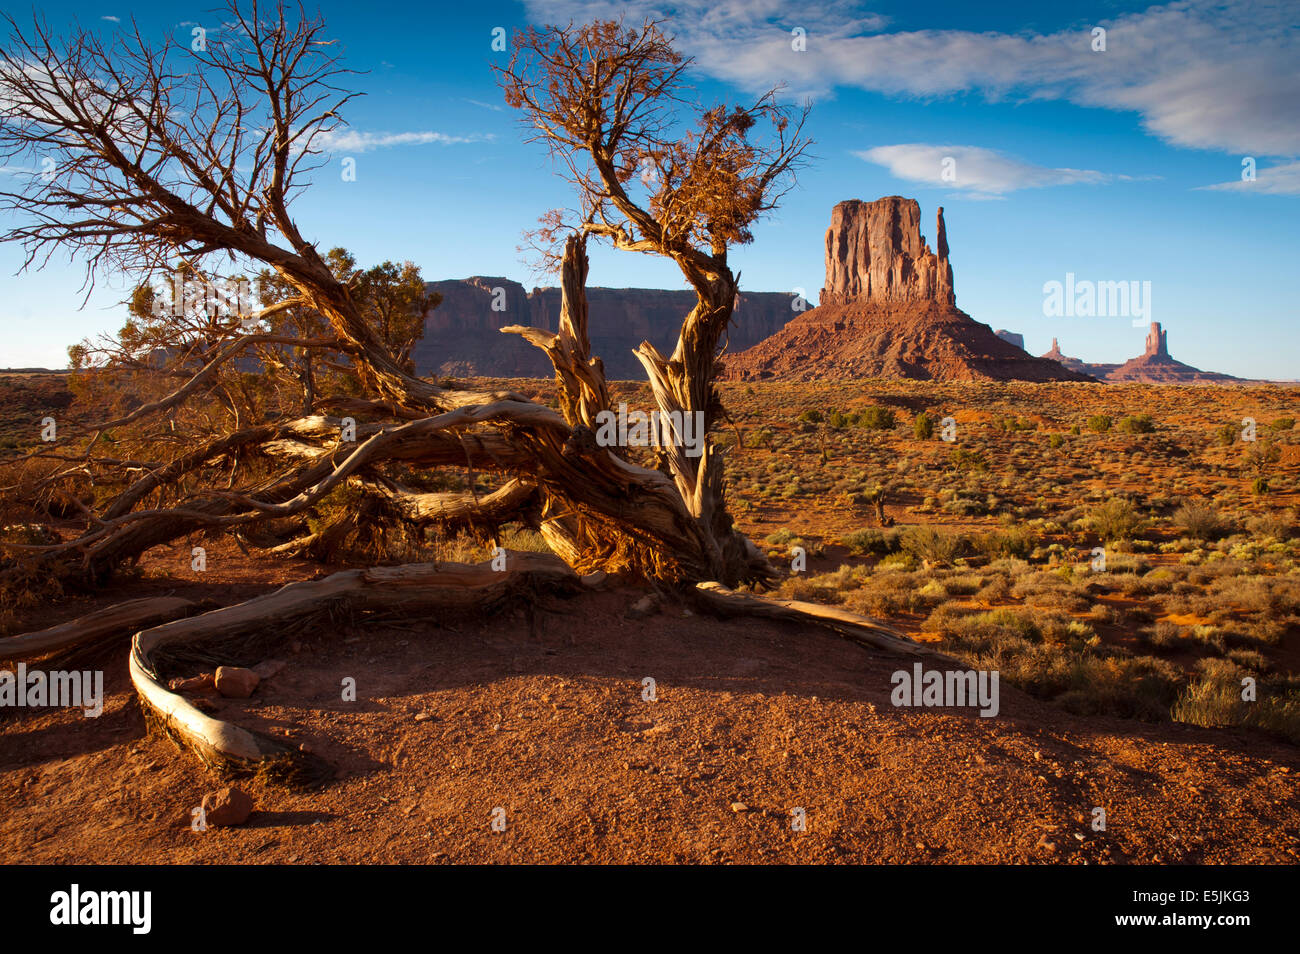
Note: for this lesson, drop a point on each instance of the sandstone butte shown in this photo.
(888, 310)
(1153, 366)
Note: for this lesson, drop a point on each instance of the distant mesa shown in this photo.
(462, 335)
(889, 310)
(1153, 366)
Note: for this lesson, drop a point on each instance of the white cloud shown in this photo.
(492, 106)
(1211, 74)
(350, 140)
(112, 19)
(1282, 179)
(983, 173)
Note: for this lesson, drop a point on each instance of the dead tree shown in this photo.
(166, 155)
(157, 157)
(606, 100)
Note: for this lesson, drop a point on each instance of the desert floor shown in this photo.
(539, 709)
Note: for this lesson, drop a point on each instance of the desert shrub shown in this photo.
(1136, 424)
(837, 419)
(1139, 687)
(1283, 424)
(1062, 600)
(876, 418)
(1100, 423)
(995, 590)
(1200, 521)
(1009, 424)
(1114, 520)
(963, 460)
(931, 543)
(1056, 440)
(879, 542)
(984, 633)
(1249, 659)
(780, 537)
(923, 426)
(889, 594)
(1074, 429)
(897, 561)
(1011, 542)
(1272, 526)
(812, 416)
(966, 506)
(825, 587)
(962, 585)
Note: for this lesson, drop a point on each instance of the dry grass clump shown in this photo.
(1056, 658)
(1215, 699)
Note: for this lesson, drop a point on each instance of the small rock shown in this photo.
(739, 807)
(235, 682)
(227, 806)
(423, 716)
(269, 668)
(645, 606)
(193, 683)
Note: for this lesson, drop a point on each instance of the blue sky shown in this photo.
(1116, 165)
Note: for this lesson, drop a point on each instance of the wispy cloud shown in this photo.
(1213, 74)
(980, 172)
(492, 106)
(1281, 179)
(112, 19)
(351, 140)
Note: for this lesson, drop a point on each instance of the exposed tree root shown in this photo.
(413, 589)
(861, 629)
(122, 619)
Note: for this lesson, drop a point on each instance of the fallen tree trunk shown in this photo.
(414, 589)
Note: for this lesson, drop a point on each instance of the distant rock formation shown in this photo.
(1153, 366)
(1098, 371)
(1157, 342)
(888, 309)
(875, 251)
(462, 335)
(1011, 337)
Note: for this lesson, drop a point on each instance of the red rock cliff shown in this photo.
(875, 252)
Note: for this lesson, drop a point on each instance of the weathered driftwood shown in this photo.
(419, 588)
(121, 619)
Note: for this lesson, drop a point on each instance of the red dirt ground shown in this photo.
(546, 719)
